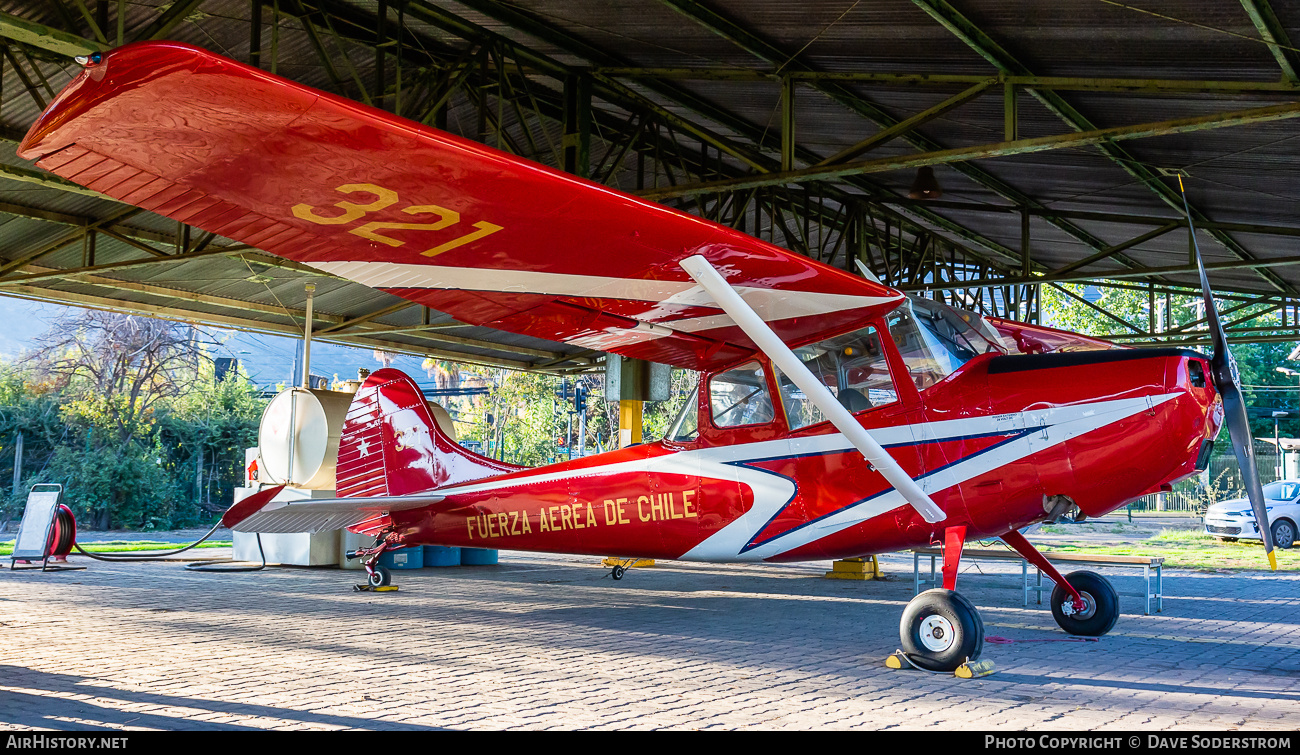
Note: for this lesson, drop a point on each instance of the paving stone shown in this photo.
(548, 642)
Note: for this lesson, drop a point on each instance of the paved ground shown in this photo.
(551, 642)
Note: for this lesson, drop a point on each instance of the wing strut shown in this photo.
(726, 297)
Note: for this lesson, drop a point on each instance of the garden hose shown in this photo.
(226, 564)
(195, 566)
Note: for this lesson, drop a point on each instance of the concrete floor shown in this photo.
(543, 642)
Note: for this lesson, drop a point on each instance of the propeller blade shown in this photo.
(1227, 379)
(1243, 446)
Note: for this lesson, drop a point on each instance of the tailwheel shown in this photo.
(1100, 608)
(617, 572)
(380, 577)
(941, 630)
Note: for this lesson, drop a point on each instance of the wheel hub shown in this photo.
(937, 634)
(1087, 612)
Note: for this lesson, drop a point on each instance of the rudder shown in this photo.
(392, 443)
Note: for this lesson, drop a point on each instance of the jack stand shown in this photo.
(627, 563)
(620, 565)
(866, 567)
(1031, 554)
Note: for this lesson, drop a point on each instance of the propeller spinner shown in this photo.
(1227, 379)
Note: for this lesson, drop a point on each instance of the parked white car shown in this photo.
(1234, 520)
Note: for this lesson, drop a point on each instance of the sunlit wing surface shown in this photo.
(489, 238)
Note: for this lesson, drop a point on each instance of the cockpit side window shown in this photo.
(739, 397)
(851, 365)
(933, 340)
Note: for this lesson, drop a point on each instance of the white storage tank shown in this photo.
(299, 437)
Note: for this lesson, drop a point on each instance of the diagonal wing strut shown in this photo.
(758, 331)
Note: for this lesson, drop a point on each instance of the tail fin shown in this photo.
(393, 443)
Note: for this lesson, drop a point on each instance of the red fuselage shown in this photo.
(995, 444)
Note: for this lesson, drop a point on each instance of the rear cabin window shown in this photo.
(686, 427)
(739, 397)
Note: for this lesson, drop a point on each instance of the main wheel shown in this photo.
(1283, 534)
(1100, 605)
(941, 630)
(380, 577)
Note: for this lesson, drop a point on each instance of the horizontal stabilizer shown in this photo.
(321, 514)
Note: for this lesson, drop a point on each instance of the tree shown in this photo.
(127, 415)
(117, 366)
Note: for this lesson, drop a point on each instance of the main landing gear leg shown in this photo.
(1084, 603)
(940, 629)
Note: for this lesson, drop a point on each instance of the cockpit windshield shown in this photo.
(935, 339)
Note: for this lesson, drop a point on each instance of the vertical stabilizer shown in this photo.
(392, 443)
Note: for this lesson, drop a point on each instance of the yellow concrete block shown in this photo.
(639, 563)
(867, 567)
(847, 575)
(854, 567)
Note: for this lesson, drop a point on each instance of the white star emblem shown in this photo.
(364, 446)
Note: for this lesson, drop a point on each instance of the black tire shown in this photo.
(1101, 609)
(380, 577)
(1283, 534)
(617, 572)
(941, 630)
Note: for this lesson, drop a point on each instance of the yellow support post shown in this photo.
(629, 432)
(629, 422)
(867, 567)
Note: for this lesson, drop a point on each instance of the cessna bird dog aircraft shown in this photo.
(835, 417)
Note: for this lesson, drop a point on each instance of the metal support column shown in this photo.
(787, 123)
(1010, 113)
(577, 125)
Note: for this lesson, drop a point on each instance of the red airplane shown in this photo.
(835, 417)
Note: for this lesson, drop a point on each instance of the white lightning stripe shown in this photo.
(772, 491)
(771, 304)
(1058, 429)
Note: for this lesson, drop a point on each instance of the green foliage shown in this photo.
(149, 481)
(129, 546)
(524, 418)
(519, 421)
(151, 442)
(659, 415)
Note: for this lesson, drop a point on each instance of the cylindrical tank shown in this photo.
(443, 418)
(299, 437)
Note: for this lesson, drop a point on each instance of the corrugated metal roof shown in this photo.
(1238, 174)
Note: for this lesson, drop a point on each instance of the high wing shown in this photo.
(487, 237)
